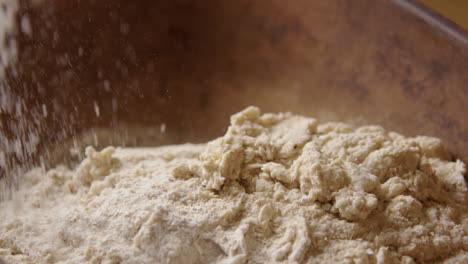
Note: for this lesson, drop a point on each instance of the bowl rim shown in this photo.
(440, 23)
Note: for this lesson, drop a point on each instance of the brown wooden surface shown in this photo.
(190, 64)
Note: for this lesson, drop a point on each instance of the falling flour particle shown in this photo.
(276, 188)
(44, 110)
(107, 85)
(96, 109)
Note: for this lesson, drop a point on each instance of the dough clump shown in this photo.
(276, 188)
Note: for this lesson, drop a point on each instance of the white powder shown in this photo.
(19, 137)
(276, 188)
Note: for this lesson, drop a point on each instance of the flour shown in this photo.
(276, 188)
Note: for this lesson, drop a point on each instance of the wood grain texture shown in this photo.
(190, 64)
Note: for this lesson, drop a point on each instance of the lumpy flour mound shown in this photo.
(276, 188)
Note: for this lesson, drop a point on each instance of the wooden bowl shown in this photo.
(121, 69)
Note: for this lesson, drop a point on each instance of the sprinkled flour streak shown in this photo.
(12, 107)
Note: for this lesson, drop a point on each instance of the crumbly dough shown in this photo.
(276, 188)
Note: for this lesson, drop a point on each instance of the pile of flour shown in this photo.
(275, 188)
